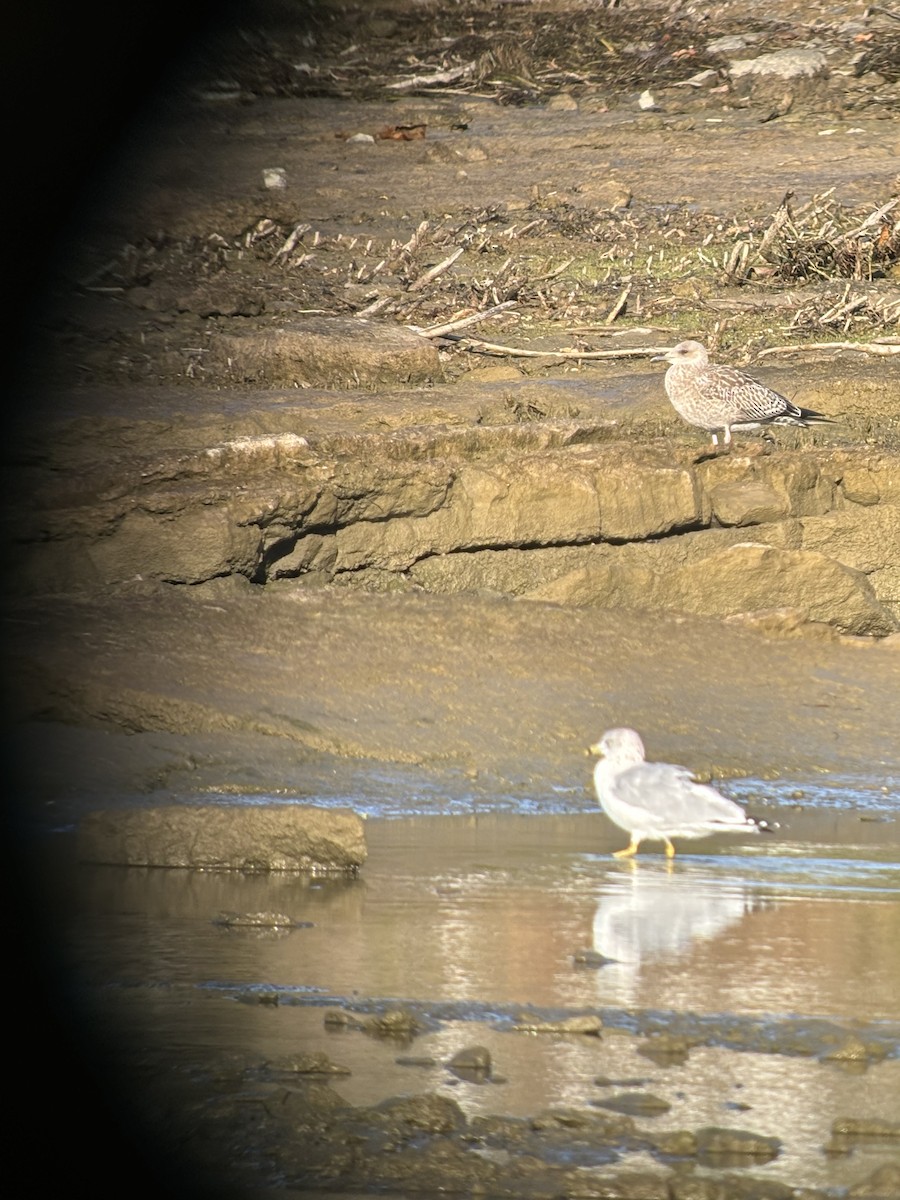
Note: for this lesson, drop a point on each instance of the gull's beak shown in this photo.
(659, 358)
(595, 750)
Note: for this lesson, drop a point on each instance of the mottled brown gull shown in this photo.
(722, 398)
(659, 801)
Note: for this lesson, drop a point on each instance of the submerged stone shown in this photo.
(865, 1127)
(336, 1018)
(714, 1143)
(395, 1023)
(582, 1024)
(882, 1184)
(608, 1126)
(737, 1187)
(432, 1113)
(638, 1104)
(666, 1049)
(317, 1063)
(260, 920)
(680, 1143)
(472, 1060)
(852, 1050)
(624, 1185)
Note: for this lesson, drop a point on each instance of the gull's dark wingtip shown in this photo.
(811, 417)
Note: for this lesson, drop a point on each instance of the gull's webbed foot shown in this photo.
(629, 850)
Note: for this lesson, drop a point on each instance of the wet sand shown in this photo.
(420, 702)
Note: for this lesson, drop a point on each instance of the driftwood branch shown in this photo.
(481, 347)
(872, 219)
(619, 305)
(433, 273)
(552, 274)
(454, 75)
(880, 346)
(452, 326)
(376, 306)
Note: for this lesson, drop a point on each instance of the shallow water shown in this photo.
(750, 947)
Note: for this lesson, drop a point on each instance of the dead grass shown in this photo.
(559, 269)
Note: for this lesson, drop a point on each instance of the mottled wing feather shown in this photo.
(742, 396)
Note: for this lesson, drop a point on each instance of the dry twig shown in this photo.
(439, 269)
(817, 240)
(376, 306)
(454, 326)
(291, 241)
(454, 75)
(619, 305)
(577, 355)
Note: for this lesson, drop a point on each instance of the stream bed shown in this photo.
(751, 984)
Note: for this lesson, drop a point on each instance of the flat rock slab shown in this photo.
(334, 352)
(275, 837)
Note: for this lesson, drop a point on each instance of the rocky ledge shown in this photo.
(447, 490)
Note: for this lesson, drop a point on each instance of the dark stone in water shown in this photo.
(715, 1144)
(666, 1049)
(636, 1104)
(474, 1059)
(430, 1113)
(317, 1063)
(882, 1184)
(395, 1023)
(260, 920)
(591, 958)
(474, 1065)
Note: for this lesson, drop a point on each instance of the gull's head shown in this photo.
(692, 353)
(622, 746)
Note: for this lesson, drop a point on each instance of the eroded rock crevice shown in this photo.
(563, 513)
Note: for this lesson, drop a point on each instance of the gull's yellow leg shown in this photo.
(670, 849)
(630, 849)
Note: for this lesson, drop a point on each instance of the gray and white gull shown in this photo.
(722, 398)
(659, 801)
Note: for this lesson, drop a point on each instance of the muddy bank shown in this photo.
(225, 688)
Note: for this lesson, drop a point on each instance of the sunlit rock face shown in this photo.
(576, 512)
